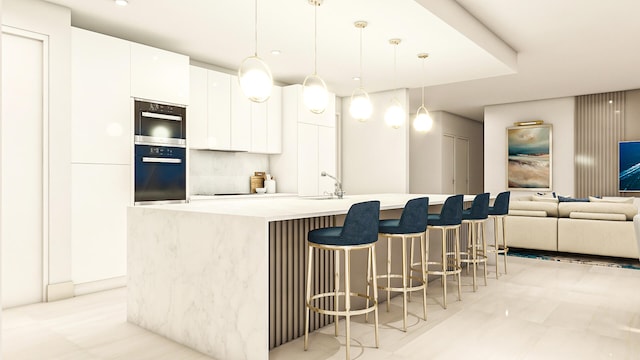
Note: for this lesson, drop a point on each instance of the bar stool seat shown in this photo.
(360, 232)
(498, 212)
(476, 218)
(411, 225)
(448, 220)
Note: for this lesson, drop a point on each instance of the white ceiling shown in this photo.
(564, 48)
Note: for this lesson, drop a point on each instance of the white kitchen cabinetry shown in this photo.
(274, 121)
(99, 199)
(307, 148)
(209, 111)
(159, 75)
(240, 118)
(102, 142)
(101, 108)
(259, 127)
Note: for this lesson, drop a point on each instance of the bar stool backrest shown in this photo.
(501, 204)
(361, 224)
(414, 216)
(479, 207)
(451, 213)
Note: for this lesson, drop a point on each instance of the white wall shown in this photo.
(375, 157)
(0, 178)
(54, 21)
(557, 112)
(426, 153)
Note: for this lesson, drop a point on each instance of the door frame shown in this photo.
(44, 39)
(456, 137)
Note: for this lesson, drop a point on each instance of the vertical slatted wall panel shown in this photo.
(287, 276)
(598, 128)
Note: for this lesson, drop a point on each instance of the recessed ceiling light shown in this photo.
(276, 52)
(356, 78)
(122, 2)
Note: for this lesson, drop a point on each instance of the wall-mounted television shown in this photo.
(629, 166)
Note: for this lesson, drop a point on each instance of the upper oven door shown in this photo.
(159, 124)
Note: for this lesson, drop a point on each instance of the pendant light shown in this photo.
(254, 75)
(423, 121)
(314, 91)
(394, 116)
(360, 107)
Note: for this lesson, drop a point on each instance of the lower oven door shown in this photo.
(160, 174)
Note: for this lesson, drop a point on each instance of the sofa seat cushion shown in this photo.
(597, 216)
(532, 213)
(550, 208)
(628, 210)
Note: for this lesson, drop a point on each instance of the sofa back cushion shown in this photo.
(628, 210)
(551, 208)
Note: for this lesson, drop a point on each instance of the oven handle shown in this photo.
(161, 160)
(161, 116)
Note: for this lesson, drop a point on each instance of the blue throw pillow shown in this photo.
(570, 199)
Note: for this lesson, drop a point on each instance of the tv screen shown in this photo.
(629, 166)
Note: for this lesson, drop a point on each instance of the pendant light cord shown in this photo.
(395, 67)
(423, 59)
(315, 39)
(361, 29)
(256, 26)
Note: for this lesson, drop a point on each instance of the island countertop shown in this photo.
(202, 273)
(294, 207)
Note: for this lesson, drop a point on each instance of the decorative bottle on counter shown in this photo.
(270, 186)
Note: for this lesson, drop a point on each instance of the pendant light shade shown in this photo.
(361, 107)
(255, 79)
(394, 116)
(423, 121)
(254, 75)
(315, 95)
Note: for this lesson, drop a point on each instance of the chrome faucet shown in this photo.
(338, 186)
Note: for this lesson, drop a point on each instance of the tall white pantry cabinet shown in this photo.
(308, 146)
(106, 73)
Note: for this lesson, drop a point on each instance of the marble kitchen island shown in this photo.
(225, 277)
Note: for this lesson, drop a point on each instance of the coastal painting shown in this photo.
(529, 157)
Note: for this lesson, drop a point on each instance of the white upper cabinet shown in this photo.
(219, 105)
(209, 111)
(274, 121)
(308, 151)
(101, 106)
(197, 111)
(326, 158)
(159, 75)
(240, 118)
(259, 127)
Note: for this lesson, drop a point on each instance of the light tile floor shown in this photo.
(540, 310)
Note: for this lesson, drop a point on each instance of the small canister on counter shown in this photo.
(270, 184)
(257, 181)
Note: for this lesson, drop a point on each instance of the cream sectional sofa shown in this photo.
(599, 227)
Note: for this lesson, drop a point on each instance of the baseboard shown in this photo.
(59, 291)
(100, 285)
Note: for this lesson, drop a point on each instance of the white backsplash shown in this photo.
(216, 172)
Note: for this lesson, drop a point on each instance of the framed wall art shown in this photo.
(529, 155)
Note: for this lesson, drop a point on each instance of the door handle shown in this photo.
(161, 160)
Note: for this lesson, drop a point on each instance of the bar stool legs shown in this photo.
(476, 249)
(497, 248)
(448, 265)
(347, 293)
(406, 288)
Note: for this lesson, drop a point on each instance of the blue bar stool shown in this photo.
(498, 212)
(411, 225)
(360, 232)
(449, 220)
(476, 218)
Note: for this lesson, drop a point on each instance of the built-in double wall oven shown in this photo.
(160, 153)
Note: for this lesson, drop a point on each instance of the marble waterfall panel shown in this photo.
(200, 279)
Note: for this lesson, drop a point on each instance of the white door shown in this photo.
(448, 164)
(22, 169)
(461, 166)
